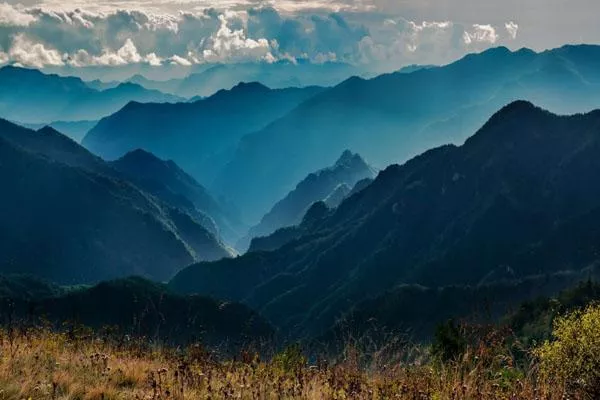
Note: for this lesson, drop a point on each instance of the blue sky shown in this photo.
(376, 34)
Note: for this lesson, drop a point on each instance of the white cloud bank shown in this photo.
(51, 36)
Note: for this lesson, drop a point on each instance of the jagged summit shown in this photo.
(346, 157)
(331, 184)
(350, 159)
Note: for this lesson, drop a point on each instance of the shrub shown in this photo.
(290, 359)
(572, 357)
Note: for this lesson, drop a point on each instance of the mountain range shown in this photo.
(285, 134)
(70, 217)
(330, 184)
(278, 75)
(517, 199)
(437, 224)
(396, 116)
(30, 96)
(199, 136)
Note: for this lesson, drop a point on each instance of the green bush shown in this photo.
(572, 357)
(291, 359)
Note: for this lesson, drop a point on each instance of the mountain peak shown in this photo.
(250, 87)
(497, 50)
(141, 156)
(518, 106)
(348, 158)
(51, 132)
(48, 130)
(509, 123)
(129, 85)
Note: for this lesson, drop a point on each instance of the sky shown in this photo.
(372, 34)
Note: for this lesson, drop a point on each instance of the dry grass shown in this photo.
(42, 365)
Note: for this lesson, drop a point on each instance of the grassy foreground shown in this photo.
(38, 364)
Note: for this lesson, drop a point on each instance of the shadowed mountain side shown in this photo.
(315, 215)
(29, 96)
(53, 145)
(199, 136)
(167, 181)
(514, 200)
(396, 116)
(324, 184)
(65, 216)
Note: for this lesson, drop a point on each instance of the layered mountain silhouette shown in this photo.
(311, 221)
(68, 216)
(519, 198)
(396, 116)
(278, 75)
(30, 96)
(199, 136)
(331, 185)
(136, 307)
(168, 182)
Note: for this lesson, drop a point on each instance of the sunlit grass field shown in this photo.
(40, 364)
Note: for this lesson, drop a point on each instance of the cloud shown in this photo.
(228, 45)
(295, 31)
(512, 29)
(404, 42)
(481, 34)
(28, 53)
(12, 16)
(177, 60)
(127, 54)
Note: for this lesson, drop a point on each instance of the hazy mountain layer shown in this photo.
(199, 136)
(29, 96)
(277, 75)
(396, 116)
(325, 184)
(517, 199)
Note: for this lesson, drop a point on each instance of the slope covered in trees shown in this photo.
(517, 199)
(68, 216)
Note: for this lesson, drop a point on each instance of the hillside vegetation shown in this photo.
(68, 216)
(37, 364)
(518, 199)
